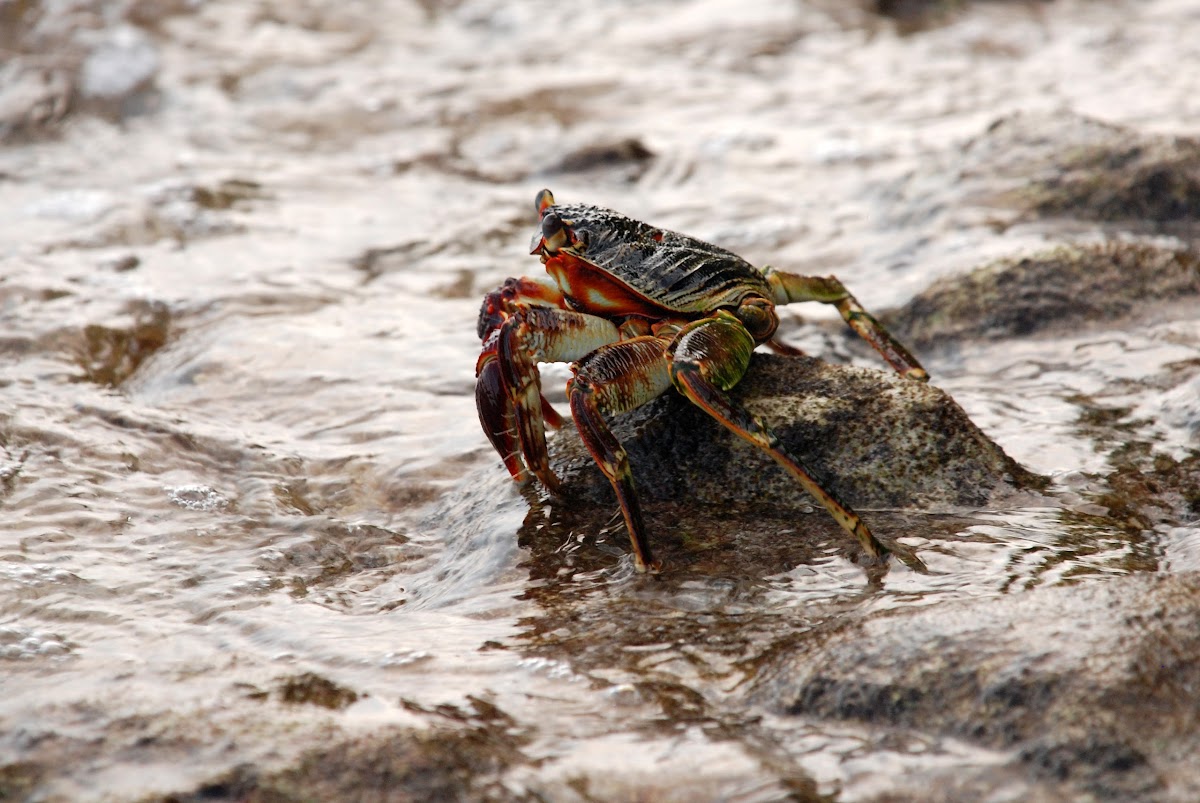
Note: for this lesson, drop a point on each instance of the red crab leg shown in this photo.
(614, 379)
(790, 288)
(508, 391)
(710, 356)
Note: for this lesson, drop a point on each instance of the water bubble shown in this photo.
(624, 695)
(556, 670)
(196, 497)
(19, 643)
(405, 658)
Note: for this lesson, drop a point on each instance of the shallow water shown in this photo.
(237, 429)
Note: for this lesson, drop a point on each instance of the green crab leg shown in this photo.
(508, 389)
(789, 288)
(710, 356)
(615, 379)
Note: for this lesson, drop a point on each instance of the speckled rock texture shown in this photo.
(875, 439)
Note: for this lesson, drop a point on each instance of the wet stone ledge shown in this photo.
(1058, 291)
(1062, 165)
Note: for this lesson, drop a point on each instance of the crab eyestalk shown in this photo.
(555, 234)
(544, 199)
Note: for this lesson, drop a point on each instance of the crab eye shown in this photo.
(554, 233)
(544, 199)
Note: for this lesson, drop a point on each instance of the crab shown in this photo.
(639, 310)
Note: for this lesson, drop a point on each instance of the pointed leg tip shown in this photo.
(551, 483)
(917, 374)
(652, 568)
(869, 560)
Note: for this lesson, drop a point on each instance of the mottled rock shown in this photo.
(1057, 291)
(877, 440)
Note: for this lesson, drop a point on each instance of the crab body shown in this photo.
(638, 310)
(629, 268)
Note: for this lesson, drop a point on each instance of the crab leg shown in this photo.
(508, 389)
(615, 379)
(710, 356)
(789, 288)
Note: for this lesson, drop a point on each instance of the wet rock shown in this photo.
(19, 780)
(877, 440)
(459, 760)
(227, 194)
(88, 56)
(1065, 165)
(913, 16)
(1092, 686)
(1046, 173)
(627, 158)
(110, 354)
(1058, 291)
(312, 689)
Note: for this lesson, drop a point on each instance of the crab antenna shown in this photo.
(544, 199)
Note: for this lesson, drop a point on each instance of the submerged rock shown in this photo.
(875, 439)
(1089, 688)
(1066, 165)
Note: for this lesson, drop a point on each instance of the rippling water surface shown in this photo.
(237, 432)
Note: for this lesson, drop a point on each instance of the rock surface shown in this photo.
(877, 440)
(1060, 290)
(1090, 688)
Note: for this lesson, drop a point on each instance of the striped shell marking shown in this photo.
(676, 271)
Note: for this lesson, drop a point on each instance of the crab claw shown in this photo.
(512, 410)
(496, 413)
(499, 304)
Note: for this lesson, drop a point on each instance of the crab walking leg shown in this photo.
(790, 288)
(509, 389)
(710, 357)
(615, 379)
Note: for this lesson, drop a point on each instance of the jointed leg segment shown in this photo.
(710, 356)
(615, 379)
(791, 288)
